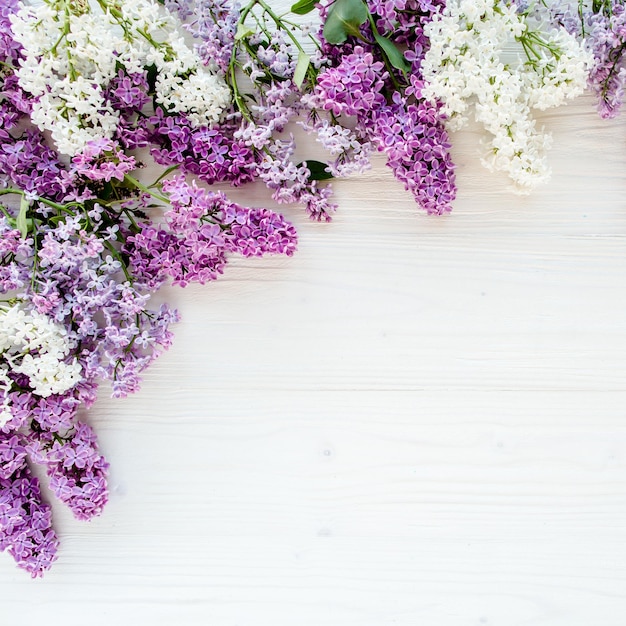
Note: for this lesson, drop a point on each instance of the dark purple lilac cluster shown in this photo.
(128, 94)
(366, 81)
(211, 154)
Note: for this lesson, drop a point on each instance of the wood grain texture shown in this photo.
(414, 421)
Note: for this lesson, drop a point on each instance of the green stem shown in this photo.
(133, 181)
(278, 22)
(35, 257)
(118, 256)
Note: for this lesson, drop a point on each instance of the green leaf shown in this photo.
(396, 58)
(318, 170)
(302, 7)
(345, 18)
(243, 32)
(21, 223)
(304, 60)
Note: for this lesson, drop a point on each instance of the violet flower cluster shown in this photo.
(373, 75)
(269, 73)
(83, 247)
(84, 244)
(601, 25)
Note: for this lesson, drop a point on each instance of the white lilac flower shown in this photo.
(33, 345)
(469, 66)
(70, 58)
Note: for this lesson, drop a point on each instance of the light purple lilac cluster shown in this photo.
(80, 258)
(390, 113)
(76, 469)
(602, 24)
(25, 519)
(202, 228)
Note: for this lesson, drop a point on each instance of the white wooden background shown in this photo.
(415, 421)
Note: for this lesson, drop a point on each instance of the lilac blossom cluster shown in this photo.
(382, 91)
(202, 228)
(83, 250)
(269, 74)
(25, 519)
(602, 26)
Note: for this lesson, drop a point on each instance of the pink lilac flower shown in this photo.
(102, 160)
(354, 86)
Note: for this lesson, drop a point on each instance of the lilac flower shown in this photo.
(214, 23)
(354, 86)
(212, 154)
(388, 106)
(77, 471)
(129, 92)
(29, 164)
(9, 49)
(268, 56)
(607, 36)
(80, 252)
(102, 159)
(25, 520)
(417, 149)
(203, 227)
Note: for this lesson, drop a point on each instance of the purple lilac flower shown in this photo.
(387, 104)
(212, 154)
(417, 149)
(603, 28)
(102, 160)
(354, 86)
(607, 37)
(76, 469)
(251, 136)
(214, 24)
(9, 48)
(25, 520)
(128, 94)
(29, 164)
(202, 228)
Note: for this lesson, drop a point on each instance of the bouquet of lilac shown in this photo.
(83, 245)
(408, 71)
